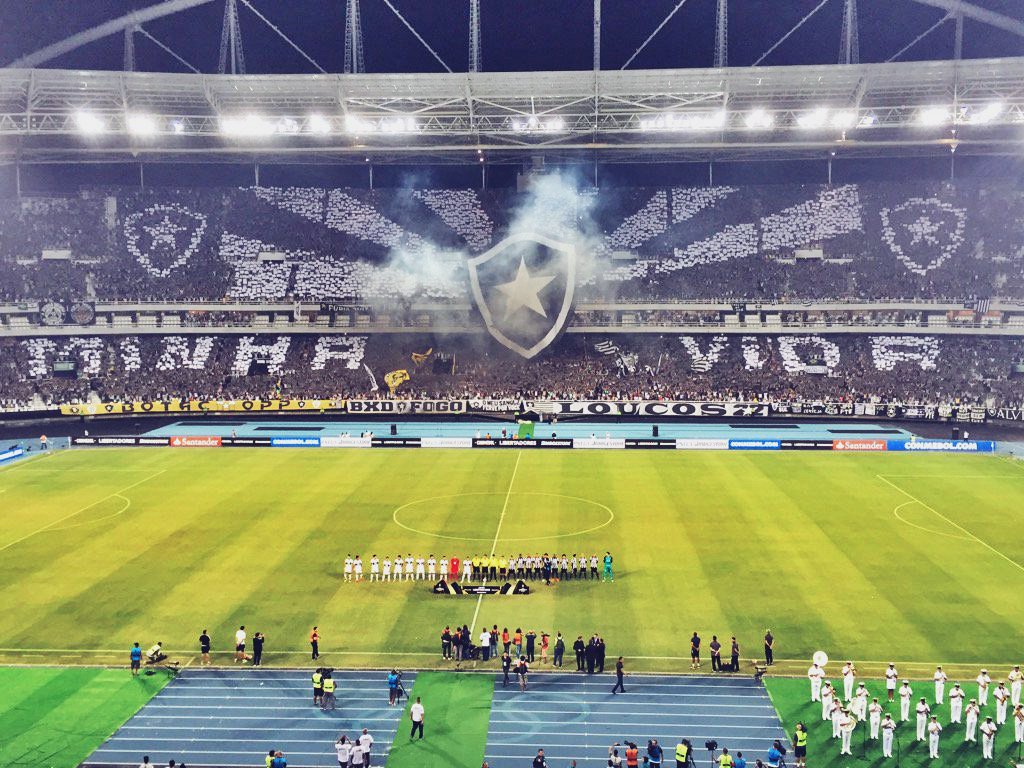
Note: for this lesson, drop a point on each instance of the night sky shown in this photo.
(517, 34)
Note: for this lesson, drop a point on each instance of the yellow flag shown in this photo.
(394, 379)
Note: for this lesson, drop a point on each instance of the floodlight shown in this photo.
(90, 123)
(933, 116)
(247, 126)
(141, 125)
(318, 124)
(843, 119)
(759, 118)
(985, 114)
(816, 118)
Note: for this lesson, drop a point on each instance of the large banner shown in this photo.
(657, 409)
(176, 405)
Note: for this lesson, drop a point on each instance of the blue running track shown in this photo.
(576, 717)
(232, 717)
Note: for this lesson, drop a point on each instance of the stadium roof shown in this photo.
(399, 94)
(974, 106)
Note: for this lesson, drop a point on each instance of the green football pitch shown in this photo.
(917, 559)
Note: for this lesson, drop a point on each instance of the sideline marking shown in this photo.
(494, 544)
(48, 526)
(605, 507)
(896, 514)
(985, 544)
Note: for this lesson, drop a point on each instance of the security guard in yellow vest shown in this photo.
(328, 700)
(318, 687)
(683, 754)
(800, 745)
(725, 759)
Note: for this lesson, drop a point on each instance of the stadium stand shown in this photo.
(867, 241)
(850, 367)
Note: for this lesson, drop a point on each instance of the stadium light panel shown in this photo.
(287, 125)
(932, 116)
(690, 121)
(354, 124)
(985, 114)
(247, 126)
(141, 125)
(867, 121)
(816, 118)
(759, 118)
(89, 123)
(318, 124)
(534, 123)
(398, 125)
(843, 119)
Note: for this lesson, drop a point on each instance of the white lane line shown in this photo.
(985, 544)
(48, 526)
(497, 535)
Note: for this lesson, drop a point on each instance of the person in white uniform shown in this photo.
(1018, 724)
(836, 716)
(988, 738)
(956, 703)
(1015, 677)
(923, 710)
(940, 685)
(888, 729)
(374, 568)
(934, 729)
(827, 695)
(467, 570)
(874, 717)
(421, 571)
(444, 567)
(1002, 697)
(431, 568)
(348, 567)
(860, 702)
(891, 675)
(815, 675)
(847, 724)
(386, 566)
(971, 720)
(408, 568)
(849, 677)
(984, 681)
(398, 568)
(357, 567)
(905, 693)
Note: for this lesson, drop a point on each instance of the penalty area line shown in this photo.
(956, 525)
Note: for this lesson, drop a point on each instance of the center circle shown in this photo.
(462, 516)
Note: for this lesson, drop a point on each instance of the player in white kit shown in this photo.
(874, 717)
(988, 738)
(934, 729)
(421, 570)
(408, 568)
(984, 681)
(956, 703)
(971, 720)
(940, 685)
(386, 566)
(923, 710)
(348, 567)
(431, 568)
(905, 693)
(444, 567)
(374, 568)
(467, 570)
(815, 674)
(357, 567)
(888, 729)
